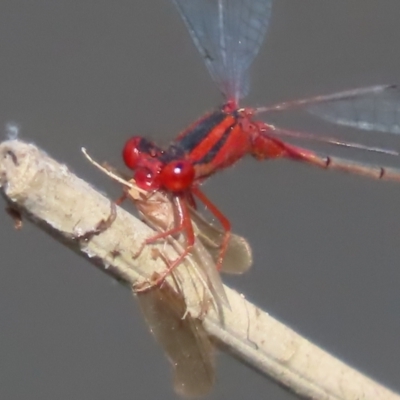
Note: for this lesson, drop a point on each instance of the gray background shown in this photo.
(326, 245)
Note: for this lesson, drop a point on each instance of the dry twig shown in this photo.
(49, 195)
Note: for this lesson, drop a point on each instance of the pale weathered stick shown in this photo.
(65, 206)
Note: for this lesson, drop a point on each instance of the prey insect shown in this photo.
(163, 302)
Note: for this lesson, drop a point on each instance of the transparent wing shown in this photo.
(375, 111)
(210, 276)
(184, 340)
(228, 35)
(375, 108)
(238, 257)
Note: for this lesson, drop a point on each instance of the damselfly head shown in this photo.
(144, 158)
(138, 152)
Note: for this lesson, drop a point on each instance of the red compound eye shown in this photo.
(146, 179)
(177, 175)
(131, 153)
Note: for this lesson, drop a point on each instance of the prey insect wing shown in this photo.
(238, 258)
(183, 339)
(158, 212)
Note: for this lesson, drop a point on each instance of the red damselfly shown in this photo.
(228, 35)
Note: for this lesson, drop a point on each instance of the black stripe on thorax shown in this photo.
(194, 137)
(209, 157)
